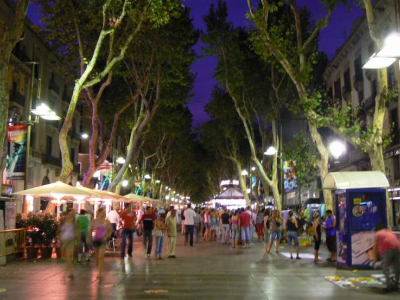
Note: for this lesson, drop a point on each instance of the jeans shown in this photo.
(148, 239)
(126, 233)
(235, 233)
(292, 236)
(189, 230)
(83, 243)
(159, 244)
(225, 233)
(245, 234)
(251, 232)
(391, 260)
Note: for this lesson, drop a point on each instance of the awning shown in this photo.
(355, 180)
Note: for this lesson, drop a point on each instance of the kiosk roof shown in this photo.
(355, 180)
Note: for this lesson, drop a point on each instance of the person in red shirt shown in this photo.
(387, 246)
(244, 227)
(128, 217)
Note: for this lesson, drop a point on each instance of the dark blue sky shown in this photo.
(331, 38)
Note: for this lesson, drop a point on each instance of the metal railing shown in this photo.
(12, 241)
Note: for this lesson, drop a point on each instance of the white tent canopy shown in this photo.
(355, 180)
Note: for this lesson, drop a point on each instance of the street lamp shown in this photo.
(271, 151)
(158, 181)
(147, 176)
(244, 173)
(337, 148)
(84, 136)
(45, 113)
(387, 55)
(253, 168)
(248, 191)
(125, 183)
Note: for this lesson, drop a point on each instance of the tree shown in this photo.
(258, 90)
(10, 34)
(224, 135)
(116, 24)
(159, 68)
(304, 166)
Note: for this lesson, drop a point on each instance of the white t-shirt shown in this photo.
(114, 217)
(190, 216)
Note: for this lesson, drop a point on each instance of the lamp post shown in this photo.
(387, 55)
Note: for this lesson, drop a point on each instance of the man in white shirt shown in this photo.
(114, 218)
(190, 217)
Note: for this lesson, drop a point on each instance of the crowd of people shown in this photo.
(236, 228)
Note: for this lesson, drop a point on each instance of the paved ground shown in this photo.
(206, 271)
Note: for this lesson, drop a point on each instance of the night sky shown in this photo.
(331, 39)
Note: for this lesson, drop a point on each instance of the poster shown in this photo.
(289, 178)
(17, 135)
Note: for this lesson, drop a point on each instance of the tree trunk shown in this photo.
(242, 181)
(322, 164)
(92, 146)
(4, 103)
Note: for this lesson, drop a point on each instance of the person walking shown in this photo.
(102, 231)
(387, 246)
(190, 217)
(158, 232)
(276, 230)
(244, 227)
(235, 228)
(114, 218)
(183, 222)
(128, 217)
(206, 217)
(68, 233)
(147, 221)
(330, 231)
(292, 226)
(225, 219)
(266, 225)
(260, 225)
(317, 235)
(83, 224)
(172, 233)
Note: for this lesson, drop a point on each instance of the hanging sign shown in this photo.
(17, 135)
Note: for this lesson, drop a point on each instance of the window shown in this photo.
(338, 89)
(32, 140)
(347, 81)
(49, 145)
(371, 49)
(374, 89)
(358, 69)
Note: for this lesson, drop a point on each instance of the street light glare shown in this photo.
(84, 136)
(253, 168)
(337, 148)
(158, 181)
(147, 176)
(270, 151)
(45, 112)
(248, 191)
(244, 173)
(391, 46)
(120, 160)
(376, 62)
(125, 183)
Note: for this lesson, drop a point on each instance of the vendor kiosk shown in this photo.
(360, 207)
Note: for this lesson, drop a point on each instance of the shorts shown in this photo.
(206, 225)
(276, 236)
(292, 236)
(331, 243)
(317, 244)
(98, 244)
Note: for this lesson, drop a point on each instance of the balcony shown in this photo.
(54, 87)
(17, 98)
(51, 160)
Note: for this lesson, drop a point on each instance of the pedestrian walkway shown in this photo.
(206, 271)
